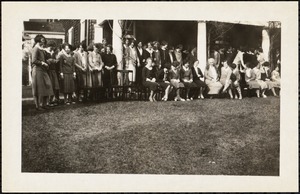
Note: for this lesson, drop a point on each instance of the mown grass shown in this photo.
(204, 137)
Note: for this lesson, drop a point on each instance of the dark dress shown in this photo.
(109, 76)
(52, 62)
(186, 75)
(196, 78)
(165, 58)
(142, 55)
(190, 59)
(161, 77)
(41, 83)
(150, 74)
(67, 67)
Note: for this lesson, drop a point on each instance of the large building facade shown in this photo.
(200, 34)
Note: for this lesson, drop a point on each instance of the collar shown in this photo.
(65, 53)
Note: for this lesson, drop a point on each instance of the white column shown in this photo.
(117, 42)
(201, 45)
(265, 44)
(117, 46)
(98, 33)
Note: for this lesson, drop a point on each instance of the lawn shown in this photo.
(202, 137)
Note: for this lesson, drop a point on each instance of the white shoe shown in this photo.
(264, 96)
(191, 98)
(188, 99)
(202, 97)
(181, 99)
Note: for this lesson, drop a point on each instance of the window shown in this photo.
(82, 30)
(71, 36)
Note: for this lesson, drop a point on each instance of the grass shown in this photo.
(203, 137)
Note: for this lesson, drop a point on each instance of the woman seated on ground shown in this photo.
(149, 79)
(174, 77)
(275, 76)
(186, 76)
(235, 81)
(250, 78)
(197, 74)
(266, 77)
(162, 80)
(225, 78)
(263, 85)
(212, 78)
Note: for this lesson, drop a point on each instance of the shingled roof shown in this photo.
(43, 26)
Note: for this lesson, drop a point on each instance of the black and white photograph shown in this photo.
(104, 95)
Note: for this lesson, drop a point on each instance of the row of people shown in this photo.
(228, 80)
(67, 71)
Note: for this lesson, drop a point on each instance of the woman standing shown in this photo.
(52, 62)
(177, 55)
(81, 68)
(197, 74)
(41, 83)
(156, 54)
(149, 50)
(67, 73)
(96, 65)
(149, 80)
(212, 78)
(141, 53)
(110, 65)
(131, 62)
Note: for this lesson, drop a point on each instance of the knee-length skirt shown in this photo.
(41, 83)
(163, 85)
(189, 85)
(200, 83)
(270, 84)
(253, 84)
(151, 85)
(54, 79)
(177, 84)
(262, 84)
(214, 87)
(68, 83)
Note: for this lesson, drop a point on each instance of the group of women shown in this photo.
(70, 70)
(227, 71)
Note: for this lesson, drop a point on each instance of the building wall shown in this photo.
(76, 25)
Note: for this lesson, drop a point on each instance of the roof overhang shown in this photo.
(45, 32)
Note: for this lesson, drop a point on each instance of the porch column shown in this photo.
(201, 45)
(98, 33)
(265, 43)
(117, 46)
